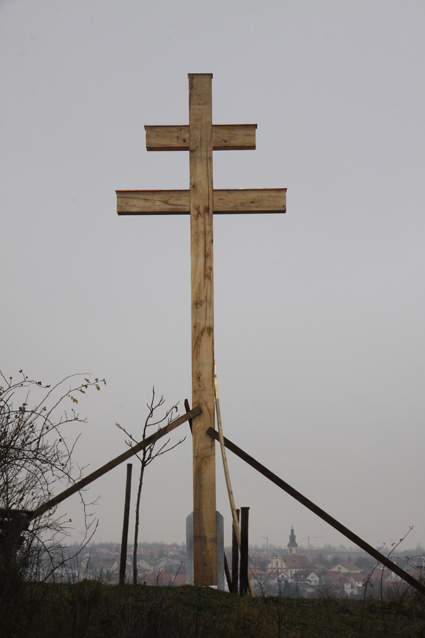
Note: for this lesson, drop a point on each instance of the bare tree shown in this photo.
(36, 456)
(146, 457)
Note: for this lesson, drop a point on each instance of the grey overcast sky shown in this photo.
(319, 313)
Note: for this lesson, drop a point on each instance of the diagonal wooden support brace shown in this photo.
(321, 513)
(119, 459)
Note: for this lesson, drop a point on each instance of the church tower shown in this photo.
(292, 545)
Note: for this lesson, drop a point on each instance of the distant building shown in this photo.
(292, 545)
(144, 566)
(289, 564)
(308, 577)
(346, 568)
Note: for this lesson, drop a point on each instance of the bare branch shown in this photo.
(35, 455)
(148, 455)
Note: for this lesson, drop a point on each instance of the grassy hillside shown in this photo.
(90, 609)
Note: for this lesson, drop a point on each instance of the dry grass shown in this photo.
(92, 609)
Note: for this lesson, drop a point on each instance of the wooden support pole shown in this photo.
(124, 540)
(243, 578)
(321, 513)
(201, 241)
(187, 408)
(235, 558)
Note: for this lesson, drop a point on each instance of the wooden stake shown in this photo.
(124, 540)
(227, 572)
(244, 573)
(235, 558)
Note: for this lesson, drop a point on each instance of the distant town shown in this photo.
(286, 571)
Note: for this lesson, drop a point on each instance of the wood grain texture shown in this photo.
(166, 202)
(176, 202)
(234, 137)
(250, 200)
(201, 236)
(167, 138)
(225, 137)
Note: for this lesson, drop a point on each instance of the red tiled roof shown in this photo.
(336, 578)
(296, 561)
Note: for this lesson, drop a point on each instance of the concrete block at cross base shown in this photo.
(220, 550)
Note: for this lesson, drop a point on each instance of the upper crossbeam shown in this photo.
(225, 137)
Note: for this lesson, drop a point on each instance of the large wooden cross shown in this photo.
(200, 138)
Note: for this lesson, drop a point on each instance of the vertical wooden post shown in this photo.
(124, 540)
(235, 558)
(244, 551)
(201, 237)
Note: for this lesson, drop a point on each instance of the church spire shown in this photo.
(292, 545)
